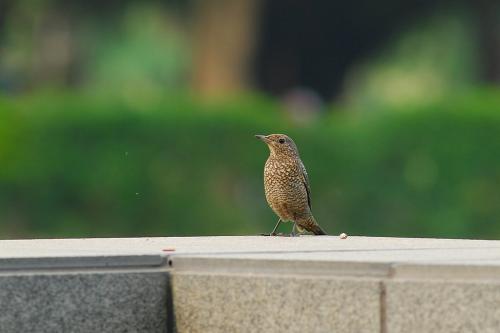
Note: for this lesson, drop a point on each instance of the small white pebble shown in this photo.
(343, 235)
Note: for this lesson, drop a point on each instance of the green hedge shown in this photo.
(76, 166)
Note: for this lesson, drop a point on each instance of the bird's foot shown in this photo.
(271, 234)
(295, 232)
(279, 234)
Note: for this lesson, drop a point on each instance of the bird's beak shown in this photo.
(261, 137)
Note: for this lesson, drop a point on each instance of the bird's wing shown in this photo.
(305, 180)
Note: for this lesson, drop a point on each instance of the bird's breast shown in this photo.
(284, 188)
(281, 172)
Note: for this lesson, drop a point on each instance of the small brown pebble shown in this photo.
(168, 249)
(343, 235)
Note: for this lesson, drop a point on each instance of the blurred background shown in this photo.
(137, 117)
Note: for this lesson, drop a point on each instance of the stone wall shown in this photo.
(250, 284)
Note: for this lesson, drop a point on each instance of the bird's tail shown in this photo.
(311, 225)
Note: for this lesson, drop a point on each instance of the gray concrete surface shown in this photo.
(84, 302)
(443, 306)
(247, 284)
(306, 248)
(277, 303)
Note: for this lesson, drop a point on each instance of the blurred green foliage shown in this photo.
(77, 166)
(422, 64)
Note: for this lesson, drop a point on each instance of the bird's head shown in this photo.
(279, 144)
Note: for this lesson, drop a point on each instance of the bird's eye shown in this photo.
(281, 140)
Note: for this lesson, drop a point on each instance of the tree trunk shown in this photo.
(489, 30)
(224, 40)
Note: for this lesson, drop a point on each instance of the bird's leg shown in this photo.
(294, 230)
(276, 227)
(273, 233)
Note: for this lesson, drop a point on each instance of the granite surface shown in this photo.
(84, 302)
(250, 284)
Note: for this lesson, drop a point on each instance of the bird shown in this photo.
(286, 185)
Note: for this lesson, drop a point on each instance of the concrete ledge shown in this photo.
(247, 284)
(94, 285)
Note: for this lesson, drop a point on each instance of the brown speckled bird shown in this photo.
(286, 185)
